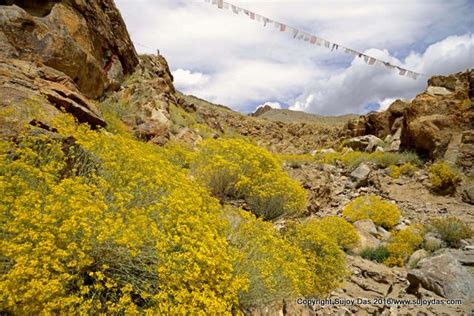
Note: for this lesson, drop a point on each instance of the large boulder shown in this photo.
(86, 40)
(443, 275)
(364, 143)
(360, 175)
(366, 230)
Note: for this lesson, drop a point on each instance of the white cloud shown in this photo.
(273, 105)
(360, 84)
(384, 104)
(246, 64)
(183, 79)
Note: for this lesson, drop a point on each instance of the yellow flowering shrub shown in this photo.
(402, 244)
(372, 207)
(407, 169)
(326, 259)
(443, 177)
(104, 224)
(235, 168)
(342, 232)
(275, 268)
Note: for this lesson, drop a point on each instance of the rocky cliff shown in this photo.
(438, 123)
(58, 55)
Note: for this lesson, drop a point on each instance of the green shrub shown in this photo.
(451, 230)
(444, 178)
(381, 212)
(378, 254)
(235, 168)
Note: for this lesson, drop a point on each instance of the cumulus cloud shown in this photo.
(244, 64)
(360, 84)
(273, 105)
(184, 79)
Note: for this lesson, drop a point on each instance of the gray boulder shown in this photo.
(360, 175)
(443, 275)
(364, 143)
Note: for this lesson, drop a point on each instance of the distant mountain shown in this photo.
(289, 116)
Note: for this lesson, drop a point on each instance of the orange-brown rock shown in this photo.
(31, 92)
(86, 40)
(432, 124)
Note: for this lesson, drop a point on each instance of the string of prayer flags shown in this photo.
(313, 39)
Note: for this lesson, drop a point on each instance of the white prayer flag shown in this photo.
(234, 9)
(402, 72)
(214, 1)
(326, 43)
(226, 6)
(295, 32)
(371, 61)
(220, 4)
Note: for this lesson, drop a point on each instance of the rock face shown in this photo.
(443, 275)
(86, 40)
(31, 92)
(439, 119)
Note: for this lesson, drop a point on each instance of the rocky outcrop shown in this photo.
(31, 92)
(443, 275)
(261, 110)
(437, 121)
(86, 40)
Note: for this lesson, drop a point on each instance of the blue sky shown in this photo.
(235, 61)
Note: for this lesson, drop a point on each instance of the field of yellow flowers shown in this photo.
(98, 222)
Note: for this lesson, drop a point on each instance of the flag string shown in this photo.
(313, 39)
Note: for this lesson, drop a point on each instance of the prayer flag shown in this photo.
(282, 27)
(226, 5)
(234, 9)
(326, 43)
(252, 15)
(371, 61)
(295, 32)
(402, 72)
(220, 4)
(313, 40)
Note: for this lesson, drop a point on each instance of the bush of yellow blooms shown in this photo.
(341, 231)
(402, 244)
(93, 222)
(444, 178)
(372, 207)
(323, 254)
(235, 168)
(131, 234)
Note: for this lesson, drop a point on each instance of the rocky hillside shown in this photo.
(438, 123)
(289, 116)
(121, 195)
